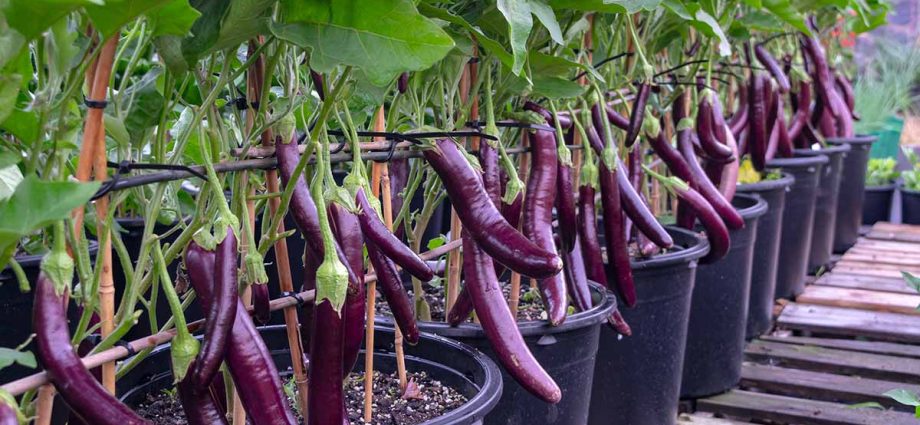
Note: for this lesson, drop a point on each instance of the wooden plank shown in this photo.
(856, 281)
(874, 266)
(880, 257)
(895, 327)
(874, 271)
(893, 246)
(884, 226)
(819, 359)
(894, 236)
(822, 386)
(759, 406)
(860, 298)
(875, 347)
(705, 419)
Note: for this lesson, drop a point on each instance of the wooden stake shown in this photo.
(282, 261)
(379, 125)
(514, 298)
(386, 197)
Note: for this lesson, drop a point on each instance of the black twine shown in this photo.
(125, 167)
(95, 104)
(295, 295)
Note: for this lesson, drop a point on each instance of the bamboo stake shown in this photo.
(454, 259)
(385, 200)
(514, 298)
(379, 125)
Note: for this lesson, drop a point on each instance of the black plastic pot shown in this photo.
(766, 251)
(456, 365)
(852, 182)
(798, 221)
(567, 352)
(719, 309)
(822, 236)
(910, 206)
(877, 203)
(16, 310)
(638, 377)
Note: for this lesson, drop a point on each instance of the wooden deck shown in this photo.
(850, 337)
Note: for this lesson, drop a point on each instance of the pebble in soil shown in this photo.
(432, 399)
(530, 306)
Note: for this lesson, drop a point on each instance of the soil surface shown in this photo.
(426, 399)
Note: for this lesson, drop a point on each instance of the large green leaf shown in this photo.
(590, 5)
(633, 6)
(109, 18)
(547, 17)
(383, 38)
(36, 204)
(175, 18)
(520, 22)
(694, 14)
(783, 9)
(10, 178)
(904, 397)
(205, 30)
(245, 20)
(8, 356)
(23, 125)
(9, 89)
(493, 47)
(556, 88)
(31, 17)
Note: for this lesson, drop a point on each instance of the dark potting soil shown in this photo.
(427, 399)
(530, 306)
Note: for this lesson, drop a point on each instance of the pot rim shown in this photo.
(33, 260)
(908, 191)
(785, 181)
(694, 247)
(882, 187)
(758, 208)
(826, 150)
(798, 162)
(859, 139)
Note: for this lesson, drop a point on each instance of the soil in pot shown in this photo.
(471, 380)
(766, 251)
(822, 237)
(798, 222)
(852, 182)
(910, 206)
(877, 203)
(567, 353)
(638, 377)
(719, 309)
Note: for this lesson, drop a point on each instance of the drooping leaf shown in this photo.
(904, 397)
(36, 204)
(109, 18)
(547, 17)
(633, 6)
(245, 19)
(23, 124)
(383, 38)
(556, 88)
(9, 89)
(8, 356)
(520, 22)
(10, 178)
(61, 49)
(205, 30)
(591, 5)
(174, 18)
(169, 48)
(783, 9)
(710, 26)
(146, 104)
(757, 21)
(493, 47)
(115, 128)
(31, 17)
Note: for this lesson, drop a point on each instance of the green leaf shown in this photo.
(36, 204)
(10, 178)
(493, 47)
(245, 20)
(8, 356)
(912, 281)
(633, 6)
(757, 20)
(169, 48)
(903, 396)
(617, 6)
(866, 405)
(709, 26)
(110, 18)
(115, 128)
(205, 30)
(174, 18)
(9, 89)
(383, 38)
(437, 242)
(31, 17)
(784, 10)
(520, 22)
(23, 124)
(556, 88)
(146, 105)
(547, 17)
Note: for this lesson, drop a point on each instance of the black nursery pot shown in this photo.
(798, 222)
(719, 309)
(766, 251)
(910, 206)
(456, 365)
(16, 310)
(567, 353)
(852, 182)
(638, 377)
(822, 237)
(877, 203)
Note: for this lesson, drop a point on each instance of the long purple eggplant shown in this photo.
(485, 223)
(565, 205)
(802, 103)
(8, 414)
(615, 235)
(576, 278)
(757, 121)
(826, 88)
(500, 326)
(347, 232)
(258, 382)
(220, 316)
(461, 309)
(302, 207)
(615, 118)
(491, 172)
(638, 113)
(706, 128)
(306, 311)
(399, 179)
(390, 285)
(716, 231)
(587, 233)
(564, 120)
(86, 397)
(198, 403)
(640, 214)
(706, 187)
(773, 67)
(261, 303)
(376, 231)
(326, 397)
(538, 218)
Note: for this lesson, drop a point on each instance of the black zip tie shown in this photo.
(93, 339)
(473, 60)
(95, 104)
(296, 296)
(512, 124)
(602, 63)
(241, 104)
(338, 148)
(414, 137)
(127, 346)
(125, 167)
(392, 150)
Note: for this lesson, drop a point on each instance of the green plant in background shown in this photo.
(883, 90)
(911, 177)
(881, 172)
